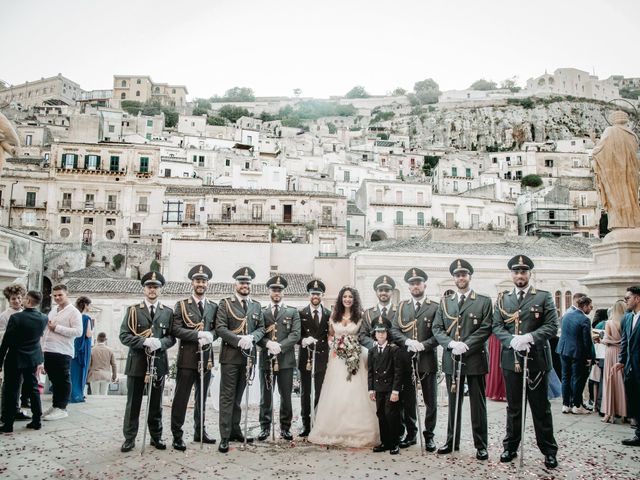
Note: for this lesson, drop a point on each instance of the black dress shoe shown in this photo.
(34, 425)
(6, 428)
(224, 445)
(21, 416)
(550, 461)
(286, 434)
(158, 443)
(264, 434)
(304, 433)
(205, 439)
(446, 448)
(632, 442)
(395, 450)
(407, 442)
(482, 454)
(430, 445)
(127, 446)
(507, 456)
(240, 438)
(178, 444)
(379, 448)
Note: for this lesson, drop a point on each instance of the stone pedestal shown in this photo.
(8, 272)
(616, 266)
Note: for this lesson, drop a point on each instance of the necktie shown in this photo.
(384, 312)
(315, 317)
(275, 311)
(152, 311)
(244, 306)
(520, 296)
(201, 308)
(461, 302)
(417, 306)
(380, 349)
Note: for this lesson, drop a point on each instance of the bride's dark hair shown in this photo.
(338, 309)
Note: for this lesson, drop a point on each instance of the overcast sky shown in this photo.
(323, 47)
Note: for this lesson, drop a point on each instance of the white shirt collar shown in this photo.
(525, 290)
(240, 298)
(416, 300)
(382, 346)
(318, 308)
(149, 305)
(380, 307)
(466, 295)
(195, 299)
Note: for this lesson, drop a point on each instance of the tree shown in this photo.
(215, 120)
(170, 117)
(426, 92)
(197, 111)
(239, 94)
(483, 84)
(233, 113)
(203, 104)
(510, 83)
(332, 128)
(132, 107)
(399, 91)
(297, 92)
(531, 180)
(357, 92)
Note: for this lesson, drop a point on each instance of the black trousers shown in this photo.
(388, 413)
(185, 380)
(478, 407)
(284, 379)
(632, 390)
(25, 396)
(57, 368)
(540, 412)
(232, 384)
(305, 394)
(135, 391)
(11, 392)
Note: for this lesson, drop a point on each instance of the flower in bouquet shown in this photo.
(347, 348)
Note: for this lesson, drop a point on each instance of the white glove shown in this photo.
(206, 336)
(152, 343)
(528, 338)
(419, 346)
(202, 342)
(412, 345)
(458, 348)
(308, 341)
(273, 347)
(518, 344)
(245, 342)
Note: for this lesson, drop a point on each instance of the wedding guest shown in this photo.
(102, 367)
(614, 403)
(82, 352)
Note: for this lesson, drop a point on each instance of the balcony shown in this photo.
(143, 174)
(93, 207)
(236, 219)
(383, 203)
(35, 224)
(142, 207)
(91, 171)
(29, 205)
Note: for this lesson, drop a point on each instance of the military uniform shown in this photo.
(412, 324)
(384, 377)
(232, 322)
(317, 328)
(366, 335)
(188, 322)
(534, 315)
(140, 324)
(465, 320)
(285, 330)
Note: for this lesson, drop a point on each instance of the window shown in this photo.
(172, 212)
(138, 81)
(583, 200)
(149, 123)
(398, 196)
(227, 162)
(421, 219)
(348, 227)
(341, 191)
(468, 172)
(135, 229)
(494, 159)
(114, 163)
(256, 211)
(378, 216)
(455, 186)
(557, 298)
(110, 234)
(247, 165)
(201, 161)
(548, 163)
(143, 206)
(468, 185)
(173, 90)
(454, 171)
(64, 232)
(112, 202)
(28, 140)
(576, 162)
(144, 164)
(475, 221)
(379, 196)
(552, 214)
(69, 160)
(567, 299)
(110, 221)
(91, 162)
(66, 200)
(347, 176)
(88, 221)
(137, 93)
(123, 95)
(399, 217)
(167, 172)
(419, 198)
(31, 199)
(123, 83)
(583, 220)
(89, 199)
(147, 136)
(327, 217)
(64, 220)
(112, 128)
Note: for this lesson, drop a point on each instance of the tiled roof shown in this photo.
(212, 190)
(352, 209)
(93, 272)
(530, 246)
(297, 286)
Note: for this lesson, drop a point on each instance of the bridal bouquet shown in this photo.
(348, 349)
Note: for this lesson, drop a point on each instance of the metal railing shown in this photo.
(89, 206)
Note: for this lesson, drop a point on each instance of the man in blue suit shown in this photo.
(576, 351)
(629, 359)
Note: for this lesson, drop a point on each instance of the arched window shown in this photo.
(567, 299)
(558, 301)
(86, 237)
(137, 93)
(123, 95)
(124, 83)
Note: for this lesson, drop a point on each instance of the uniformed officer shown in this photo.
(385, 381)
(278, 357)
(462, 327)
(524, 320)
(146, 330)
(194, 325)
(411, 330)
(240, 324)
(314, 321)
(383, 286)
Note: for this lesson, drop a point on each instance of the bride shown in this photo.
(345, 415)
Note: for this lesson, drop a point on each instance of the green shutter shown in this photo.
(98, 163)
(75, 161)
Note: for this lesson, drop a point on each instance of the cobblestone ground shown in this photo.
(86, 445)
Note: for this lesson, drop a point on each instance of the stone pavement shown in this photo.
(87, 446)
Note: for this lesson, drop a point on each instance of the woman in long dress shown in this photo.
(82, 353)
(495, 389)
(345, 415)
(614, 403)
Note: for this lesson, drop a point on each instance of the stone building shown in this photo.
(571, 81)
(141, 88)
(57, 90)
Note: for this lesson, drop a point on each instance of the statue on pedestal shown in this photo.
(617, 168)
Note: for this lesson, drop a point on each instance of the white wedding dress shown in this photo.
(345, 415)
